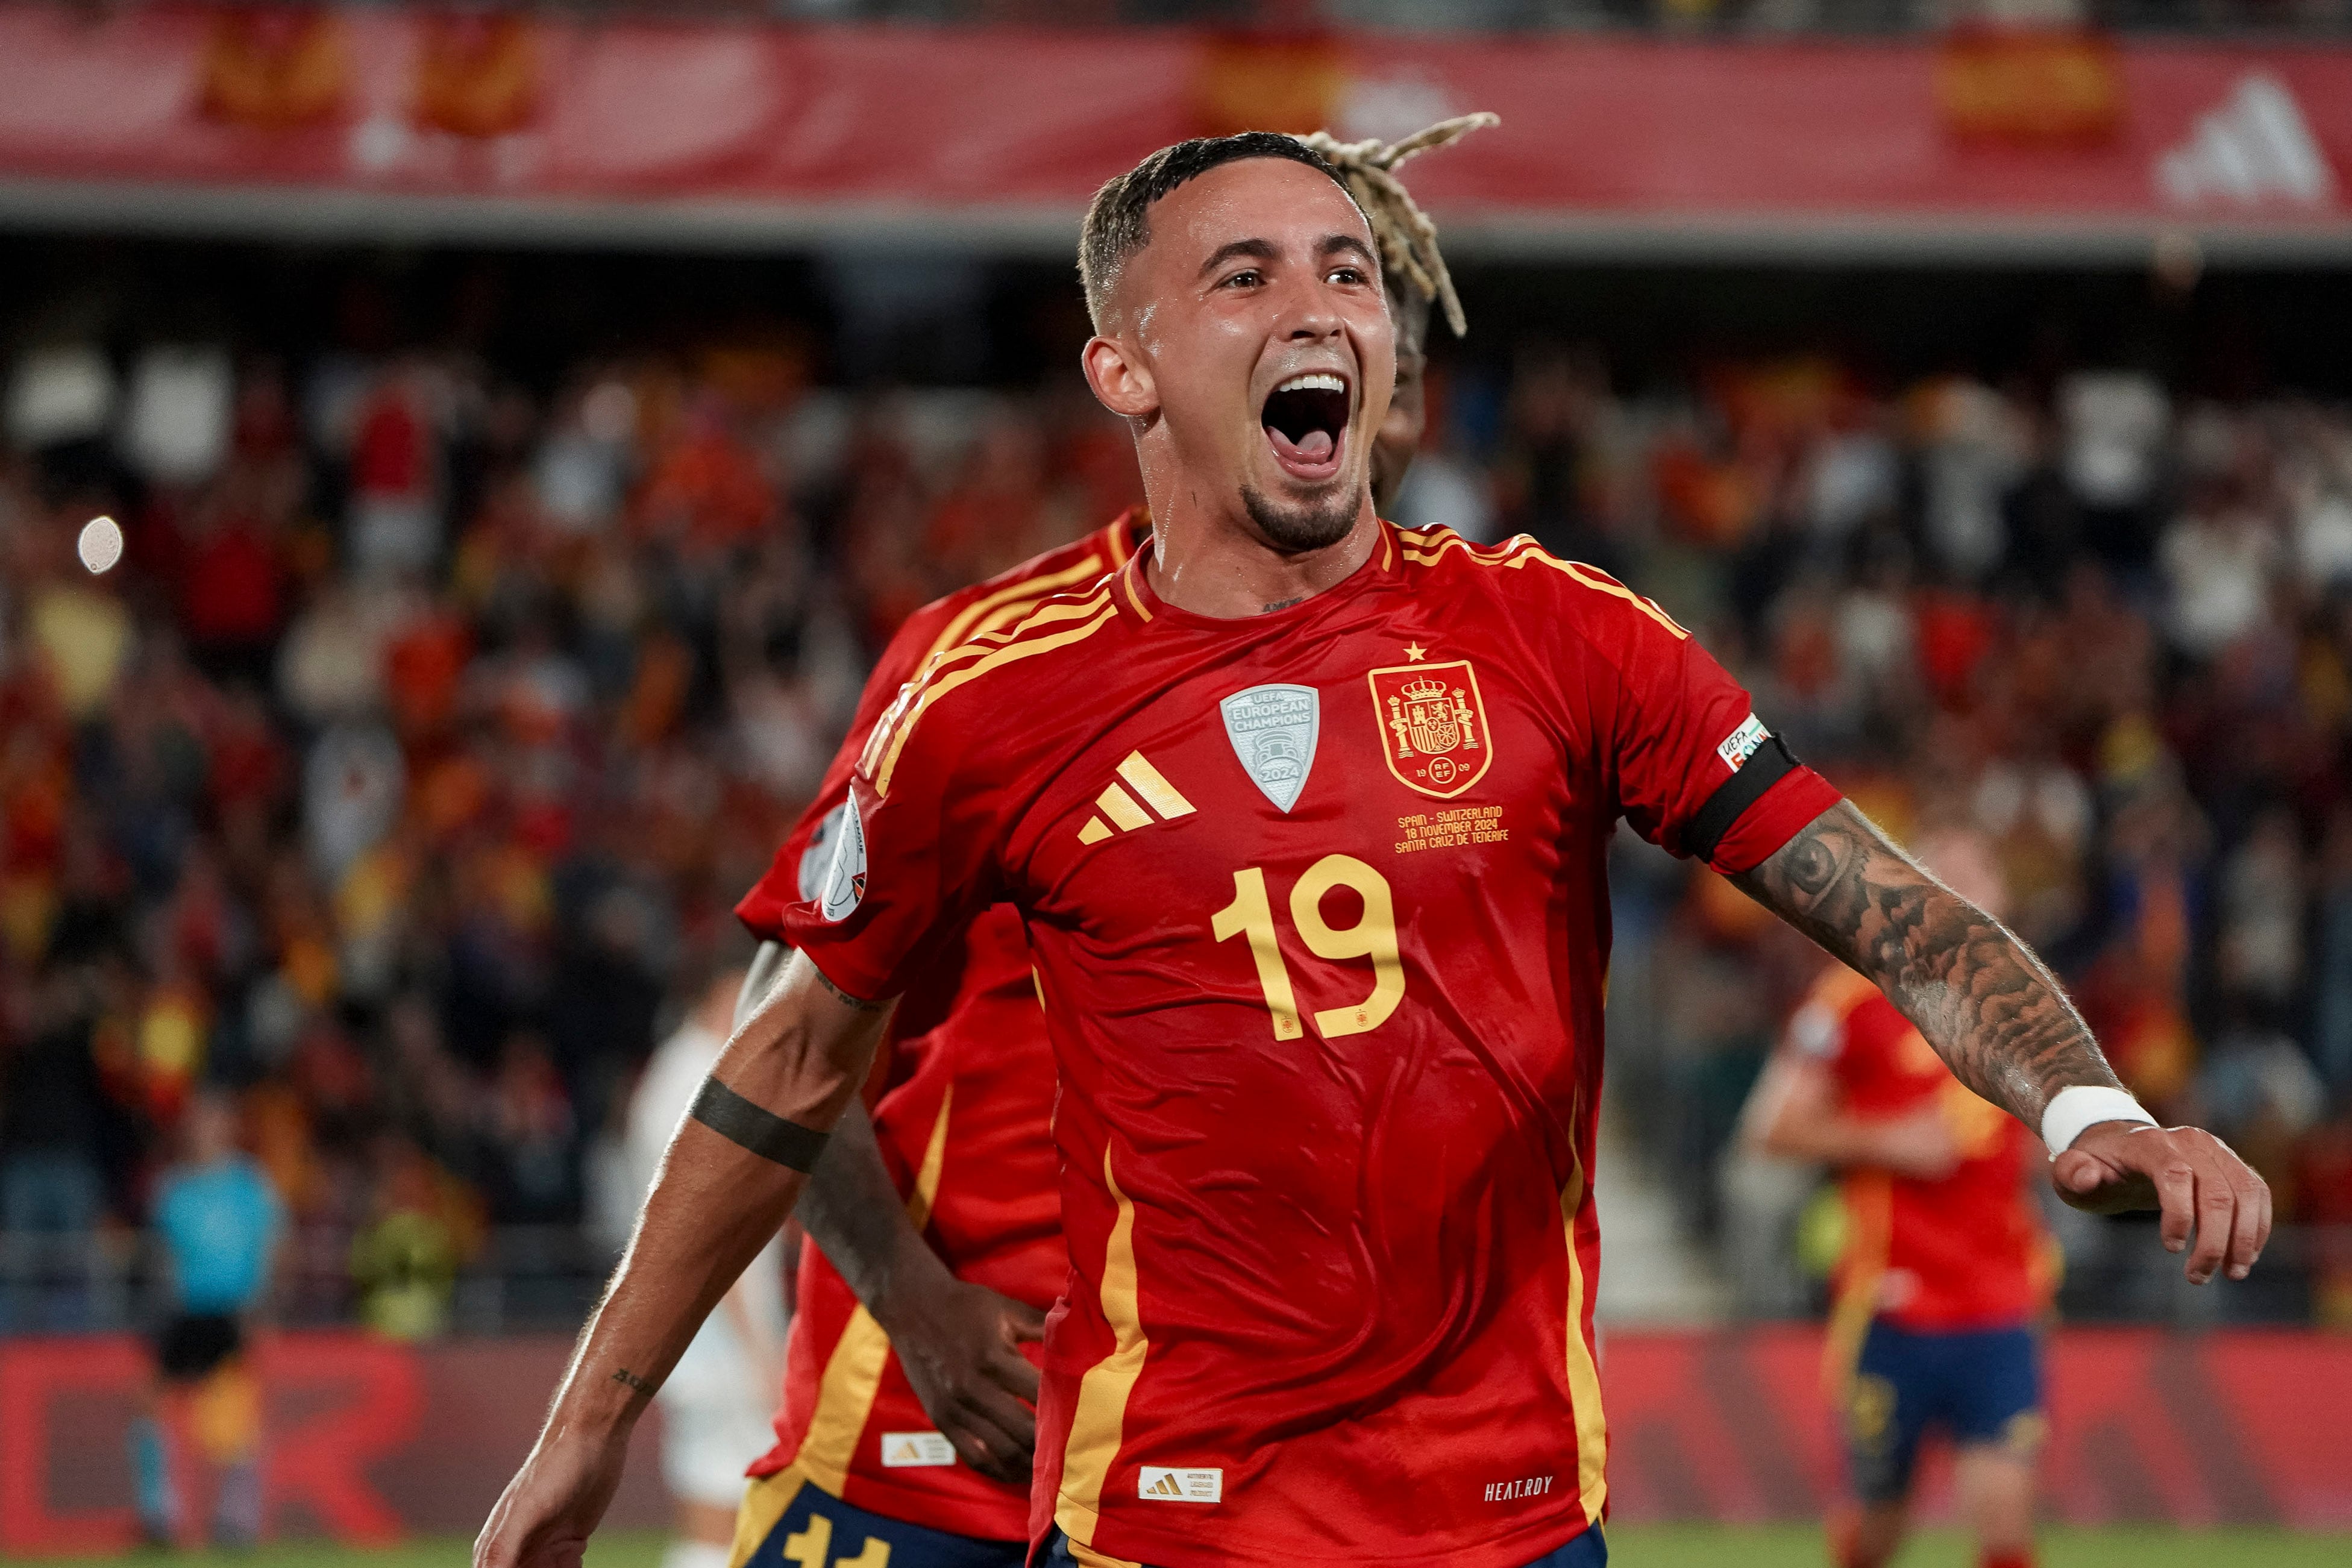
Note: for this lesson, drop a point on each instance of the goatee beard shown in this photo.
(1298, 527)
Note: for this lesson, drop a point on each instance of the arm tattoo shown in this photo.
(628, 1379)
(1990, 1007)
(860, 1003)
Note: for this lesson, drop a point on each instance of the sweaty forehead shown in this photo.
(1270, 199)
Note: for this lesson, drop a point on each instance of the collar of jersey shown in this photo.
(1131, 591)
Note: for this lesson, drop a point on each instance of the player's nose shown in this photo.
(1306, 311)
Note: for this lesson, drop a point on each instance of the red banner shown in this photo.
(367, 1440)
(2038, 134)
(2234, 1427)
(364, 1440)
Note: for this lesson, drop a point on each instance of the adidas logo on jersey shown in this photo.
(2256, 147)
(903, 1449)
(1125, 811)
(1160, 1484)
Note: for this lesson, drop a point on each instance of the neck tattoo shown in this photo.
(1283, 605)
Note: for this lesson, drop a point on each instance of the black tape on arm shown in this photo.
(763, 1132)
(1771, 765)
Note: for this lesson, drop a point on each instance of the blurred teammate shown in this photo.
(715, 1405)
(904, 1353)
(1307, 819)
(218, 1221)
(1944, 1265)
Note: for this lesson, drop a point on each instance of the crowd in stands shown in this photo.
(402, 773)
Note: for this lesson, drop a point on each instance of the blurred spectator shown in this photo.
(442, 703)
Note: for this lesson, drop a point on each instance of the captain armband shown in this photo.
(1767, 762)
(763, 1132)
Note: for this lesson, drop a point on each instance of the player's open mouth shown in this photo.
(1306, 421)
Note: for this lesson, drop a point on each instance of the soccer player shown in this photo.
(1306, 818)
(1944, 1265)
(715, 1403)
(905, 1357)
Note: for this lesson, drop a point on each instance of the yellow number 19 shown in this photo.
(1373, 937)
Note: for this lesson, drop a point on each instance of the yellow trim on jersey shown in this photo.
(983, 643)
(1027, 588)
(1099, 1425)
(1119, 538)
(767, 1500)
(1516, 552)
(1090, 1558)
(1870, 1217)
(997, 619)
(941, 680)
(1423, 554)
(1583, 1376)
(1599, 585)
(1127, 581)
(845, 1396)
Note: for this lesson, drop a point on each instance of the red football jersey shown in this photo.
(1318, 903)
(964, 1121)
(1966, 1251)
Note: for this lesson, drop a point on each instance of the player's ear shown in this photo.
(1121, 380)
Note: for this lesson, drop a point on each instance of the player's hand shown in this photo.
(544, 1517)
(2197, 1180)
(961, 1345)
(1919, 1145)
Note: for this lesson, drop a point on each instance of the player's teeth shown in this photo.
(1313, 384)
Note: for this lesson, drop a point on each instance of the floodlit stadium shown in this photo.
(998, 777)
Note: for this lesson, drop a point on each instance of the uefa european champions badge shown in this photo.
(817, 860)
(1273, 729)
(845, 881)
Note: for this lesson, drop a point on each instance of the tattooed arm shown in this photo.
(1998, 1017)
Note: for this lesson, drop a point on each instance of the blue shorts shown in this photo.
(818, 1528)
(1587, 1551)
(1980, 1387)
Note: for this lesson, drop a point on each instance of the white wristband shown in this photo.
(2084, 1105)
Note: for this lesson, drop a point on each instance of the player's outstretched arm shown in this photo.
(959, 1342)
(1996, 1015)
(727, 1184)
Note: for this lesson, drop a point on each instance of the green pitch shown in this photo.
(1653, 1546)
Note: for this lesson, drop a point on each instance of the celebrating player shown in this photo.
(1306, 818)
(905, 1353)
(1945, 1261)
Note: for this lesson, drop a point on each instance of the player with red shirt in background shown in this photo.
(1306, 816)
(960, 1148)
(1946, 1264)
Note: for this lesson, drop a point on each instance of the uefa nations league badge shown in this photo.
(1273, 729)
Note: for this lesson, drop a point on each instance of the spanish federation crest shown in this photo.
(1432, 724)
(1273, 729)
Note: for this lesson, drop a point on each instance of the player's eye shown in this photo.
(1248, 277)
(1348, 275)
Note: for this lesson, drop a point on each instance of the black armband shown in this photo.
(763, 1132)
(1771, 763)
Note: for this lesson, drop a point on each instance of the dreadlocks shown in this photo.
(1408, 240)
